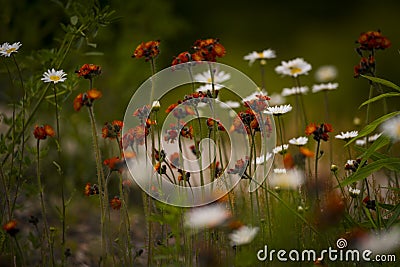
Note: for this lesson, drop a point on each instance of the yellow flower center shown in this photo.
(209, 80)
(9, 51)
(398, 130)
(260, 54)
(294, 70)
(54, 78)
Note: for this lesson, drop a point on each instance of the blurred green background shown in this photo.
(321, 32)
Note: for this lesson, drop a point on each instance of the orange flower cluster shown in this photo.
(91, 190)
(319, 132)
(204, 50)
(211, 122)
(41, 132)
(115, 203)
(88, 71)
(366, 66)
(112, 130)
(86, 99)
(180, 111)
(259, 104)
(148, 50)
(208, 50)
(373, 40)
(240, 167)
(246, 118)
(195, 98)
(118, 163)
(11, 228)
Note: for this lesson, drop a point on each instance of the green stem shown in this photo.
(316, 172)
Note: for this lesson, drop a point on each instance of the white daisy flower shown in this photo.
(229, 104)
(326, 74)
(205, 77)
(300, 141)
(278, 110)
(206, 216)
(278, 149)
(253, 96)
(294, 91)
(156, 104)
(243, 235)
(291, 179)
(277, 99)
(293, 67)
(54, 76)
(263, 158)
(354, 192)
(372, 138)
(391, 128)
(324, 87)
(7, 49)
(253, 56)
(346, 135)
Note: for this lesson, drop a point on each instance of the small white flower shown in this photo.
(253, 56)
(278, 149)
(293, 67)
(300, 141)
(372, 138)
(324, 87)
(290, 179)
(294, 91)
(279, 110)
(54, 76)
(263, 158)
(243, 235)
(277, 99)
(206, 216)
(205, 77)
(391, 128)
(346, 135)
(253, 96)
(229, 104)
(7, 49)
(279, 171)
(354, 192)
(326, 74)
(156, 104)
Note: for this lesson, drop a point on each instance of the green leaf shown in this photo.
(364, 172)
(74, 20)
(395, 216)
(372, 126)
(374, 99)
(377, 144)
(383, 82)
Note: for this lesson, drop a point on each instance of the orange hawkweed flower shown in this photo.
(11, 227)
(373, 40)
(181, 58)
(41, 132)
(112, 130)
(86, 99)
(288, 161)
(114, 163)
(88, 71)
(306, 152)
(208, 50)
(91, 190)
(319, 132)
(115, 203)
(148, 50)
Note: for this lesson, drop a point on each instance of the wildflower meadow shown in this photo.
(199, 162)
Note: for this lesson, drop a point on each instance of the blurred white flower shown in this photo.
(294, 91)
(324, 87)
(372, 138)
(293, 67)
(291, 179)
(54, 76)
(253, 56)
(206, 216)
(278, 149)
(347, 135)
(300, 141)
(6, 49)
(279, 171)
(354, 192)
(263, 158)
(278, 110)
(205, 77)
(326, 74)
(277, 99)
(391, 128)
(243, 235)
(380, 243)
